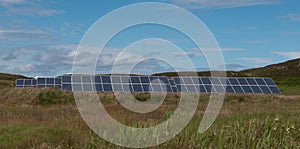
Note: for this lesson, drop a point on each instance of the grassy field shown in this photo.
(48, 118)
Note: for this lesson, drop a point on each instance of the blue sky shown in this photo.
(39, 38)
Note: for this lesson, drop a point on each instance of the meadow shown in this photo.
(48, 118)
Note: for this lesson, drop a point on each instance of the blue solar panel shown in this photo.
(115, 79)
(125, 79)
(127, 87)
(208, 88)
(146, 87)
(87, 87)
(67, 87)
(269, 81)
(98, 87)
(256, 89)
(191, 88)
(172, 82)
(260, 81)
(196, 80)
(96, 79)
(265, 89)
(229, 89)
(86, 79)
(219, 88)
(145, 79)
(156, 88)
(174, 89)
(27, 83)
(206, 80)
(215, 81)
(274, 90)
(20, 82)
(34, 82)
(117, 87)
(41, 80)
(76, 79)
(168, 87)
(200, 88)
(178, 80)
(238, 89)
(135, 80)
(242, 81)
(106, 79)
(188, 81)
(77, 87)
(233, 81)
(247, 89)
(57, 80)
(66, 79)
(251, 81)
(49, 81)
(107, 88)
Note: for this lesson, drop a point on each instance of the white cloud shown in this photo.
(27, 8)
(257, 41)
(256, 60)
(6, 3)
(292, 33)
(12, 35)
(196, 4)
(221, 49)
(291, 17)
(291, 55)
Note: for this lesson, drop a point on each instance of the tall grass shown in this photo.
(48, 118)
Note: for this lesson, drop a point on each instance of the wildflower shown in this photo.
(276, 119)
(287, 129)
(293, 127)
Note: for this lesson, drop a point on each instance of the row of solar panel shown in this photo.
(114, 79)
(40, 82)
(154, 84)
(175, 80)
(169, 88)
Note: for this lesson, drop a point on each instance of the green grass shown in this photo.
(48, 118)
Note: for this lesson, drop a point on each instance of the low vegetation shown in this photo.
(48, 118)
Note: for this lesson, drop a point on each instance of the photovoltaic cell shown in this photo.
(206, 80)
(251, 81)
(260, 81)
(145, 80)
(269, 82)
(106, 79)
(242, 81)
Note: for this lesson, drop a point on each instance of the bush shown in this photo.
(54, 96)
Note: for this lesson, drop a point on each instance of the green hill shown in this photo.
(8, 80)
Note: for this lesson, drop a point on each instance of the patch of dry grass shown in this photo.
(245, 121)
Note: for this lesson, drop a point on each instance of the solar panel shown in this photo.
(105, 79)
(145, 79)
(88, 83)
(251, 81)
(269, 81)
(205, 80)
(274, 90)
(19, 82)
(107, 88)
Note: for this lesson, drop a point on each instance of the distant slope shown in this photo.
(8, 80)
(289, 69)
